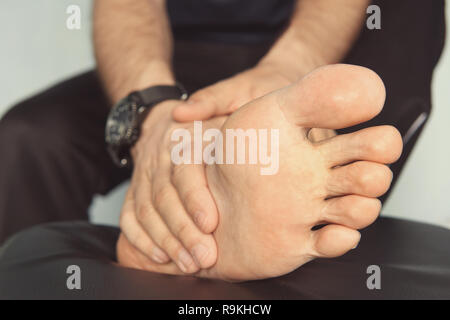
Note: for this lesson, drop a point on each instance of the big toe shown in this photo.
(333, 97)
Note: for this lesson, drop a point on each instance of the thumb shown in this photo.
(202, 105)
(194, 110)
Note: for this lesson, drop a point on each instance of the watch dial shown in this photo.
(121, 122)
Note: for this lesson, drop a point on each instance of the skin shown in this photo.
(169, 213)
(334, 182)
(133, 46)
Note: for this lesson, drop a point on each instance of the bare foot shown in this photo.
(266, 221)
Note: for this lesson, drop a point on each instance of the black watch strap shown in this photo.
(156, 94)
(139, 103)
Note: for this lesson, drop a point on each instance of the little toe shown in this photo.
(382, 144)
(333, 241)
(364, 178)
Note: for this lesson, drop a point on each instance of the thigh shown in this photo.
(70, 115)
(34, 265)
(54, 158)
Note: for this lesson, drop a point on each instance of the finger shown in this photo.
(155, 227)
(205, 104)
(166, 201)
(129, 256)
(136, 235)
(192, 187)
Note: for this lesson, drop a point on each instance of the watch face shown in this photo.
(121, 125)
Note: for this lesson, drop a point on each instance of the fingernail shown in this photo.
(199, 253)
(158, 255)
(184, 260)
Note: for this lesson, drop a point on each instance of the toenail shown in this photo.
(184, 260)
(199, 253)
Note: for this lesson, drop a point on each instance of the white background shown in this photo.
(37, 50)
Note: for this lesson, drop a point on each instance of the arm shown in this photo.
(320, 32)
(133, 45)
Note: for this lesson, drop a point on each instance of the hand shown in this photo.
(226, 96)
(168, 209)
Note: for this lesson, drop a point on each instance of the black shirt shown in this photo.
(238, 21)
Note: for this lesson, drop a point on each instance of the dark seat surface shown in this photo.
(414, 259)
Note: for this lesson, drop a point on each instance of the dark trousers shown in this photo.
(413, 262)
(52, 145)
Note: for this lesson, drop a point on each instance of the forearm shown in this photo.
(133, 45)
(321, 32)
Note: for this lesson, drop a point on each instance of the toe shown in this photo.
(362, 178)
(352, 94)
(333, 241)
(381, 144)
(352, 211)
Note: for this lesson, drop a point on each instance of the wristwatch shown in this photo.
(126, 117)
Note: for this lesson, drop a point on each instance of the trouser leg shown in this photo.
(54, 158)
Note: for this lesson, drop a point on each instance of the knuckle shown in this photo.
(189, 197)
(169, 244)
(161, 196)
(178, 172)
(143, 212)
(183, 232)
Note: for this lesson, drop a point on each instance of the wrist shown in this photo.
(293, 60)
(154, 73)
(154, 125)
